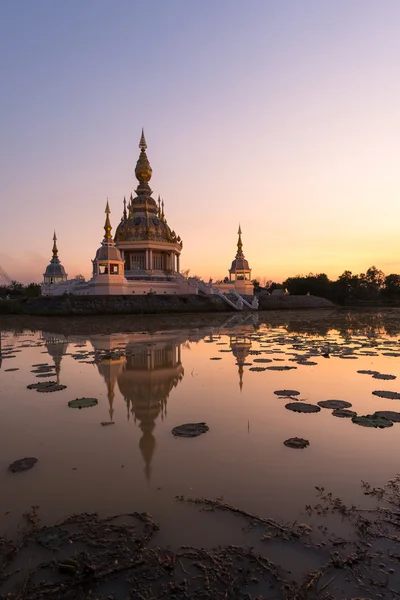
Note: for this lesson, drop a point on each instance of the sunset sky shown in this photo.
(282, 115)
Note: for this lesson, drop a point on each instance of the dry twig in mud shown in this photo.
(290, 532)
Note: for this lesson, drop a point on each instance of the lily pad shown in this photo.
(262, 360)
(190, 429)
(306, 363)
(259, 369)
(302, 407)
(105, 423)
(296, 442)
(46, 386)
(14, 369)
(383, 376)
(287, 393)
(367, 372)
(83, 402)
(387, 394)
(388, 414)
(283, 368)
(23, 464)
(344, 413)
(334, 404)
(216, 358)
(372, 421)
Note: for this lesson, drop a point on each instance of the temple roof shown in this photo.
(143, 218)
(108, 250)
(239, 263)
(55, 268)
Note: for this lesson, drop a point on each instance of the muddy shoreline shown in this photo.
(85, 556)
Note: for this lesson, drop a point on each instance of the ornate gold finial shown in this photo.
(143, 170)
(239, 244)
(162, 211)
(107, 225)
(124, 213)
(55, 249)
(159, 206)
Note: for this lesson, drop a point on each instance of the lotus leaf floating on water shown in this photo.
(367, 372)
(334, 404)
(388, 414)
(46, 386)
(23, 464)
(190, 429)
(302, 407)
(298, 443)
(83, 402)
(283, 368)
(372, 421)
(344, 413)
(387, 394)
(262, 360)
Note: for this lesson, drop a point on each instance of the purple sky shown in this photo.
(283, 115)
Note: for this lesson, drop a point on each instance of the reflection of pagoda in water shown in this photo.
(149, 375)
(240, 342)
(57, 346)
(145, 374)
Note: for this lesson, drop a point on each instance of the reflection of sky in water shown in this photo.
(147, 384)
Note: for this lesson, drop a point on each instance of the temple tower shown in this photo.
(55, 272)
(240, 270)
(149, 247)
(108, 265)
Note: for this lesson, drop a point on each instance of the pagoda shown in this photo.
(150, 249)
(55, 272)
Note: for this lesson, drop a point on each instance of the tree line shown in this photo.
(370, 287)
(15, 290)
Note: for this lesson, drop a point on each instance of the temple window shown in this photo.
(158, 261)
(138, 261)
(103, 269)
(114, 269)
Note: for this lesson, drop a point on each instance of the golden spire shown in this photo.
(107, 225)
(124, 214)
(142, 143)
(55, 249)
(239, 244)
(143, 170)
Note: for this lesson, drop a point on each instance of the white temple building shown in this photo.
(144, 255)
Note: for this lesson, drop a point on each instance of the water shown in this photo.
(150, 376)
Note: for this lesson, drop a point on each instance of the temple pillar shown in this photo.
(177, 263)
(151, 260)
(146, 260)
